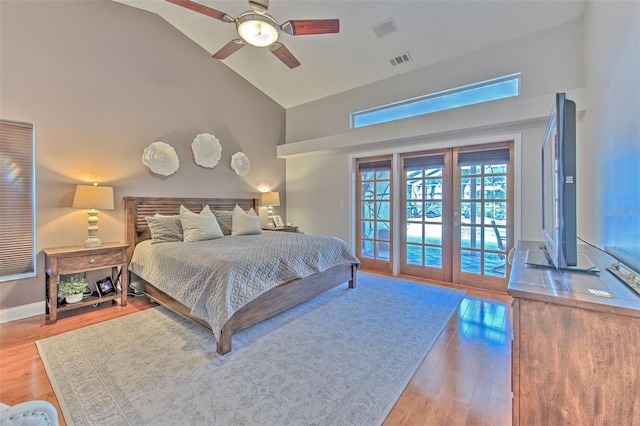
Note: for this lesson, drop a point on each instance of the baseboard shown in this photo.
(23, 311)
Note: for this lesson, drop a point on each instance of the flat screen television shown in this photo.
(559, 207)
(559, 215)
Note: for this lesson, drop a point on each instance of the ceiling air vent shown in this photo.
(401, 59)
(385, 28)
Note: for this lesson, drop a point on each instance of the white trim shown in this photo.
(22, 311)
(395, 209)
(517, 187)
(351, 203)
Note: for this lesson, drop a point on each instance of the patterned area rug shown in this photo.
(342, 358)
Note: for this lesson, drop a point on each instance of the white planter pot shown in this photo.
(74, 299)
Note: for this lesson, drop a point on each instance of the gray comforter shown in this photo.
(216, 278)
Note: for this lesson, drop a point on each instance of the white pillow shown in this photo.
(199, 227)
(244, 223)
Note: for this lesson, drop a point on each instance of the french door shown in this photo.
(455, 214)
(426, 236)
(374, 213)
(483, 215)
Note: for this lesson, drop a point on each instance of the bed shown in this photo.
(272, 299)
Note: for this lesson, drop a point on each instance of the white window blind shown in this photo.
(374, 165)
(432, 161)
(17, 206)
(484, 157)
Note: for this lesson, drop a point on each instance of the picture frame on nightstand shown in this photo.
(105, 286)
(277, 221)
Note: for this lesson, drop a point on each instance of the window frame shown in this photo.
(427, 104)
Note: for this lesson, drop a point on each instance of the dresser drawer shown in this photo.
(86, 262)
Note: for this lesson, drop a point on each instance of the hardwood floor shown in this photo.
(464, 380)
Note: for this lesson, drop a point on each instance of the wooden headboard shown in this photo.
(137, 208)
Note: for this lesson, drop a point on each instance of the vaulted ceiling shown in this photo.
(431, 31)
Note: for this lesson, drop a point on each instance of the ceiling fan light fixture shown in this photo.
(257, 29)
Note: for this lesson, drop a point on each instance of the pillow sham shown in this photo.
(199, 227)
(164, 229)
(224, 220)
(244, 223)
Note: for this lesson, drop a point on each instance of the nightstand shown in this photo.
(79, 259)
(285, 229)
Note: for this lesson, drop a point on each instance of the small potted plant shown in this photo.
(72, 288)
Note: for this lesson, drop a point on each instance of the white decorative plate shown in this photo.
(161, 158)
(206, 150)
(240, 163)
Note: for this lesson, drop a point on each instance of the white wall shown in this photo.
(319, 142)
(550, 61)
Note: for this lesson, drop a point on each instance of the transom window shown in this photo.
(483, 91)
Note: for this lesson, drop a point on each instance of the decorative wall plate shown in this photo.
(161, 158)
(240, 163)
(206, 150)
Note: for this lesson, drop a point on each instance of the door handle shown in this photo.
(511, 254)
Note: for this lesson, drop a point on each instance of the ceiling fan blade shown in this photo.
(284, 55)
(197, 7)
(230, 48)
(259, 6)
(311, 26)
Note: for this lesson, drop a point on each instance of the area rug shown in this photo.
(342, 358)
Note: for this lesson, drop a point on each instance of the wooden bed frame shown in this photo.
(272, 302)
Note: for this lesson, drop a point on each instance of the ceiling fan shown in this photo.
(258, 28)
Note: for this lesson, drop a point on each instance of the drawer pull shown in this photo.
(92, 261)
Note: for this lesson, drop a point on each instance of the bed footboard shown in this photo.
(283, 297)
(271, 303)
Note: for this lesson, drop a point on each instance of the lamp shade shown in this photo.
(271, 199)
(93, 197)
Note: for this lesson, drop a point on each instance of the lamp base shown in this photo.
(92, 242)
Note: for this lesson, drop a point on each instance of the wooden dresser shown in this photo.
(575, 355)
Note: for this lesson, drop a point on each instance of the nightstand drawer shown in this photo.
(86, 262)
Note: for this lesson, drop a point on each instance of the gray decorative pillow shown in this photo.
(165, 229)
(224, 220)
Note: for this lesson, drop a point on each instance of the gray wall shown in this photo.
(101, 81)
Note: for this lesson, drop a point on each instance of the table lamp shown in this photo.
(271, 200)
(93, 197)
